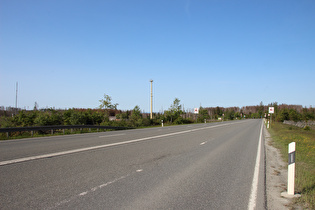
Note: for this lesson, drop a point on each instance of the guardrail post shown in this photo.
(52, 131)
(32, 133)
(63, 130)
(7, 134)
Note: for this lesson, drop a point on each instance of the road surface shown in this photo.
(199, 166)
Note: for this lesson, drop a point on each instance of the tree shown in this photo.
(106, 104)
(35, 106)
(136, 112)
(294, 115)
(176, 107)
(136, 117)
(282, 115)
(203, 115)
(174, 112)
(261, 109)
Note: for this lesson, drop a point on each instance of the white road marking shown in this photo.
(89, 191)
(139, 170)
(104, 146)
(121, 134)
(203, 143)
(253, 195)
(83, 193)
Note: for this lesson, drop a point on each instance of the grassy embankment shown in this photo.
(305, 158)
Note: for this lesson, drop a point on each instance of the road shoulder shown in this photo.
(276, 176)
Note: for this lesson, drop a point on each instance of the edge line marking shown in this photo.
(253, 194)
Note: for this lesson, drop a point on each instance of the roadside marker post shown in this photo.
(291, 172)
(291, 168)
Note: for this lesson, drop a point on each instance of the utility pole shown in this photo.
(151, 105)
(16, 96)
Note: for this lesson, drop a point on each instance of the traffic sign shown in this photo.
(271, 110)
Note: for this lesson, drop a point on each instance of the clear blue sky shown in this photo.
(68, 53)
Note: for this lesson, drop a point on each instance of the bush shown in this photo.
(282, 115)
(294, 115)
(307, 128)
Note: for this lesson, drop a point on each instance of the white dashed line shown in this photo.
(121, 134)
(92, 190)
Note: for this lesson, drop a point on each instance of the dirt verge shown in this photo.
(276, 177)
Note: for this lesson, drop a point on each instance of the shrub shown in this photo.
(307, 128)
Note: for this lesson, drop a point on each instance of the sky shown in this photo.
(69, 53)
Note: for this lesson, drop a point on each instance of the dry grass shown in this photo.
(305, 158)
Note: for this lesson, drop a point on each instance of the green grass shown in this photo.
(305, 158)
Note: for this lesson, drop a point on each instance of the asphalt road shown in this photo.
(200, 166)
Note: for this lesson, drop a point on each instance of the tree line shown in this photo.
(107, 114)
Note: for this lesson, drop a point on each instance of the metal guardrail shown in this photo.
(58, 127)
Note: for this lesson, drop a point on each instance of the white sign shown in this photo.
(196, 110)
(271, 110)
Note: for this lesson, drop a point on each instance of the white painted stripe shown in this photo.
(87, 192)
(253, 195)
(203, 143)
(102, 146)
(121, 134)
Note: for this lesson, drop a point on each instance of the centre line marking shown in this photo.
(89, 191)
(104, 146)
(121, 134)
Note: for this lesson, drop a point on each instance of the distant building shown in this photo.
(112, 118)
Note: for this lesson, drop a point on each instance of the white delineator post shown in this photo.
(291, 173)
(291, 168)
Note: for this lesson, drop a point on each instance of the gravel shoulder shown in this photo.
(276, 176)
